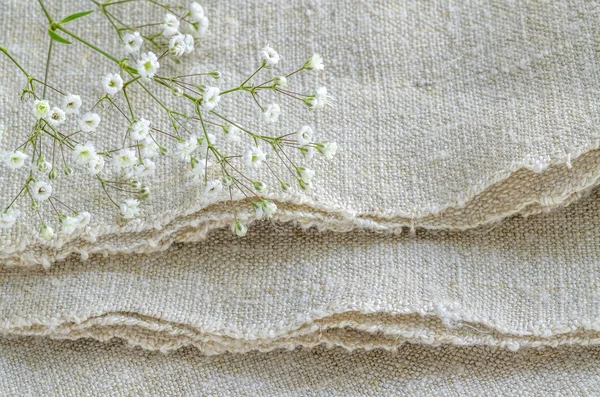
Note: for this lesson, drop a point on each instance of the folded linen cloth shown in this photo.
(447, 116)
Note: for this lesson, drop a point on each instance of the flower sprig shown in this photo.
(217, 153)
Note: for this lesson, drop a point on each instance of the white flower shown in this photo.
(147, 65)
(269, 56)
(130, 208)
(95, 165)
(213, 188)
(83, 154)
(40, 191)
(149, 148)
(71, 104)
(170, 25)
(197, 169)
(321, 97)
(305, 174)
(304, 135)
(271, 113)
(8, 218)
(188, 39)
(232, 134)
(204, 143)
(253, 157)
(83, 219)
(47, 232)
(112, 83)
(124, 158)
(68, 224)
(196, 11)
(210, 98)
(56, 117)
(140, 129)
(44, 166)
(265, 209)
(145, 168)
(314, 63)
(328, 149)
(132, 42)
(89, 122)
(280, 81)
(14, 159)
(177, 46)
(240, 228)
(308, 152)
(186, 148)
(41, 109)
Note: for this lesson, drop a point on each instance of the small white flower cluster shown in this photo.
(219, 154)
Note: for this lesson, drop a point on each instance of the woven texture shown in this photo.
(64, 369)
(463, 123)
(447, 116)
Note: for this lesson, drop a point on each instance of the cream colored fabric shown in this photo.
(444, 114)
(525, 283)
(33, 367)
(451, 118)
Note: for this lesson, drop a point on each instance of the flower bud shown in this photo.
(306, 186)
(280, 81)
(240, 228)
(47, 232)
(163, 150)
(53, 174)
(144, 192)
(68, 171)
(286, 187)
(215, 74)
(135, 185)
(202, 88)
(177, 92)
(227, 180)
(311, 102)
(260, 187)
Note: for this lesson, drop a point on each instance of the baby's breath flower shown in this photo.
(306, 186)
(177, 46)
(53, 174)
(210, 98)
(124, 158)
(130, 208)
(227, 180)
(321, 97)
(196, 11)
(240, 228)
(170, 25)
(311, 102)
(314, 63)
(305, 174)
(304, 135)
(140, 129)
(56, 117)
(41, 191)
(68, 224)
(205, 141)
(286, 187)
(213, 188)
(272, 113)
(47, 232)
(83, 219)
(112, 83)
(253, 157)
(132, 42)
(14, 159)
(188, 39)
(149, 148)
(308, 152)
(197, 169)
(280, 81)
(8, 218)
(269, 56)
(71, 104)
(265, 209)
(89, 122)
(147, 65)
(95, 165)
(232, 133)
(145, 168)
(187, 147)
(41, 109)
(260, 187)
(83, 154)
(328, 149)
(44, 166)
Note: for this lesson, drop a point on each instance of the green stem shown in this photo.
(93, 47)
(47, 68)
